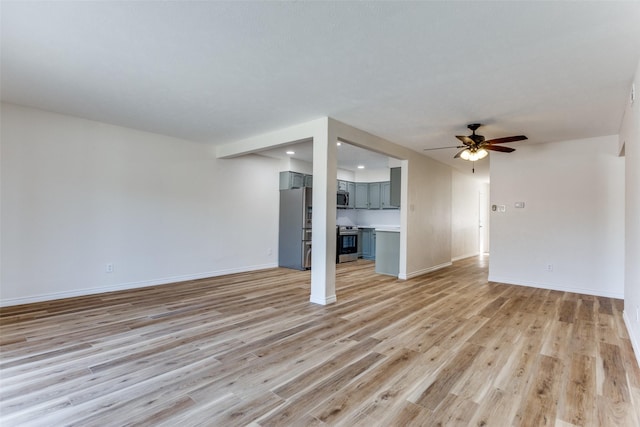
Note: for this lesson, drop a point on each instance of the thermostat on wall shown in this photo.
(519, 205)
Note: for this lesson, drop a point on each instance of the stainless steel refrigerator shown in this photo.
(294, 248)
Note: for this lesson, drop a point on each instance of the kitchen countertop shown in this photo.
(390, 229)
(380, 227)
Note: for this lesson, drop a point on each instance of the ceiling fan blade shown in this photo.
(465, 139)
(442, 148)
(458, 153)
(506, 139)
(499, 148)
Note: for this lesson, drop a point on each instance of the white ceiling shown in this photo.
(415, 73)
(349, 157)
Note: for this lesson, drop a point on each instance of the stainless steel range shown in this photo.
(347, 243)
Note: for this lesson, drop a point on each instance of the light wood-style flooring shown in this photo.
(447, 348)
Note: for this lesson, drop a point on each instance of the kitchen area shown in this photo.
(367, 217)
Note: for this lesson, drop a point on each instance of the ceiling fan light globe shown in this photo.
(465, 155)
(482, 153)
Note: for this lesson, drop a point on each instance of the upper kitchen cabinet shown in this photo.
(362, 195)
(385, 195)
(351, 188)
(289, 180)
(374, 195)
(395, 188)
(308, 181)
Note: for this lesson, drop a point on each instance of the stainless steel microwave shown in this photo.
(343, 199)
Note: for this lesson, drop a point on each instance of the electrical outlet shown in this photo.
(108, 268)
(549, 267)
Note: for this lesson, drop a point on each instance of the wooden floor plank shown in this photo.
(437, 391)
(347, 400)
(539, 404)
(444, 348)
(579, 396)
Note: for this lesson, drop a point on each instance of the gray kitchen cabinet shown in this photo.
(351, 188)
(289, 180)
(368, 243)
(395, 187)
(388, 252)
(362, 195)
(385, 195)
(374, 195)
(308, 181)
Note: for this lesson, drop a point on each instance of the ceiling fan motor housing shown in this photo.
(477, 139)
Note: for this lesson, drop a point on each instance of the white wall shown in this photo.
(296, 165)
(428, 214)
(630, 137)
(346, 175)
(78, 194)
(573, 216)
(372, 175)
(465, 215)
(485, 212)
(377, 217)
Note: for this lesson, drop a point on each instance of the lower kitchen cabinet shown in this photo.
(368, 243)
(388, 252)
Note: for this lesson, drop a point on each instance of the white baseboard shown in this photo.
(423, 271)
(458, 258)
(634, 341)
(131, 285)
(553, 287)
(323, 301)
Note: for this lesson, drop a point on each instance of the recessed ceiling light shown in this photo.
(291, 152)
(338, 143)
(360, 166)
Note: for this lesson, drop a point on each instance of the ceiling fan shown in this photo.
(475, 146)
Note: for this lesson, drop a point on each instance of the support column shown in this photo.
(323, 249)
